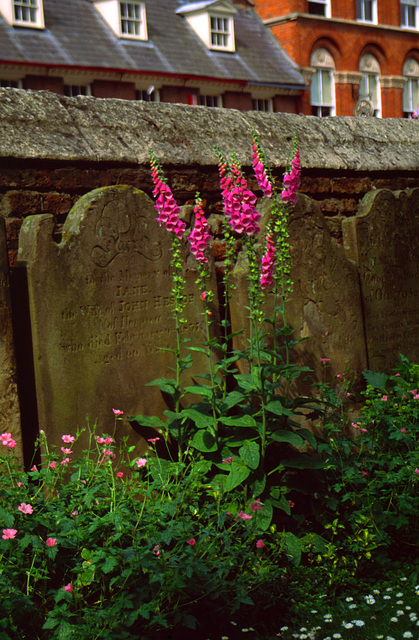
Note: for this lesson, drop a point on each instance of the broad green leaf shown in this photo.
(258, 482)
(204, 441)
(278, 409)
(201, 420)
(309, 436)
(376, 379)
(293, 547)
(239, 421)
(246, 381)
(199, 389)
(282, 435)
(237, 475)
(232, 399)
(304, 462)
(147, 421)
(264, 517)
(198, 350)
(249, 453)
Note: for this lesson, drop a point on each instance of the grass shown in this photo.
(389, 611)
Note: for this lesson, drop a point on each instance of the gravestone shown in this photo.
(9, 402)
(383, 240)
(324, 306)
(101, 308)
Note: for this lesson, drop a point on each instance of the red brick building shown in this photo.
(351, 50)
(215, 53)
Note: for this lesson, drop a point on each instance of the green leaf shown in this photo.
(239, 421)
(201, 420)
(249, 453)
(309, 436)
(147, 421)
(278, 409)
(293, 548)
(304, 462)
(375, 379)
(204, 441)
(202, 390)
(282, 435)
(246, 381)
(264, 517)
(232, 399)
(237, 475)
(198, 350)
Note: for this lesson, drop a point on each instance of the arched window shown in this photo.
(411, 88)
(322, 85)
(369, 87)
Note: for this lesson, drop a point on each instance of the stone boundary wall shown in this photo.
(54, 149)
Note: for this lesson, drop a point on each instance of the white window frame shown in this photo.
(411, 88)
(323, 66)
(224, 32)
(263, 105)
(147, 95)
(325, 3)
(207, 100)
(361, 11)
(10, 83)
(7, 8)
(72, 90)
(370, 69)
(200, 17)
(113, 13)
(404, 14)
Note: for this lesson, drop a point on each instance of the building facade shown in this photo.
(216, 53)
(358, 55)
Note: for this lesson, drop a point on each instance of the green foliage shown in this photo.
(148, 550)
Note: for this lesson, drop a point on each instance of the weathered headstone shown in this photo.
(101, 306)
(383, 240)
(9, 402)
(325, 304)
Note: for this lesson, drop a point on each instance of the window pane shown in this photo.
(317, 8)
(327, 87)
(315, 88)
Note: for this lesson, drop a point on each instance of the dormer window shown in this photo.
(23, 13)
(212, 21)
(126, 19)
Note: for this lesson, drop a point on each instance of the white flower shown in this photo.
(336, 635)
(328, 617)
(399, 595)
(303, 629)
(281, 629)
(407, 634)
(358, 623)
(347, 625)
(389, 589)
(349, 599)
(403, 579)
(400, 612)
(369, 599)
(313, 611)
(386, 597)
(352, 606)
(376, 592)
(303, 636)
(393, 619)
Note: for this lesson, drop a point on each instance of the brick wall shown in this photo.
(54, 149)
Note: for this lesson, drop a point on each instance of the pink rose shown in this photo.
(51, 542)
(9, 534)
(68, 439)
(191, 542)
(260, 544)
(118, 412)
(69, 587)
(25, 508)
(141, 462)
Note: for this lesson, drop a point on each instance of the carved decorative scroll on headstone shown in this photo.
(383, 240)
(101, 308)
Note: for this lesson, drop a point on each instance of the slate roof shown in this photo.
(75, 35)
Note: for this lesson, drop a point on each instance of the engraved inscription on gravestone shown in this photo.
(325, 304)
(383, 240)
(101, 308)
(9, 403)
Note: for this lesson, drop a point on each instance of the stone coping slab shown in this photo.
(47, 126)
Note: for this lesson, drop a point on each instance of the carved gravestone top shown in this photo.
(383, 240)
(9, 402)
(101, 308)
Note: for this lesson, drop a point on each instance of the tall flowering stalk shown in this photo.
(168, 214)
(276, 261)
(199, 239)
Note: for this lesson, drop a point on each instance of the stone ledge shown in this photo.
(47, 126)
